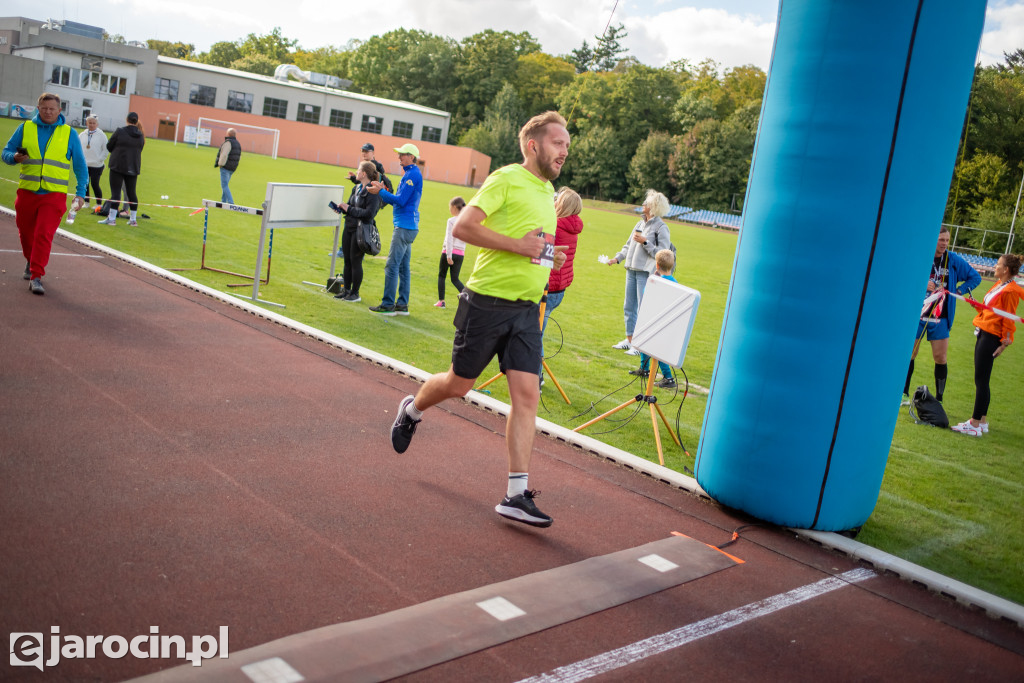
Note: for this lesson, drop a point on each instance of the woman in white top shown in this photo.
(649, 236)
(94, 144)
(452, 253)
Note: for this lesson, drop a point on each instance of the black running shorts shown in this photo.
(487, 325)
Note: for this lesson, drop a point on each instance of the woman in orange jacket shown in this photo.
(995, 333)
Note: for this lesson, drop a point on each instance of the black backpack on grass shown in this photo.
(928, 409)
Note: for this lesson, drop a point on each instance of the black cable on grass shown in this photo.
(561, 339)
(593, 404)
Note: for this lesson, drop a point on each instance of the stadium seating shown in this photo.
(702, 216)
(985, 265)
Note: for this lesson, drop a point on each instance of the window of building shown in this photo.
(308, 113)
(240, 101)
(86, 80)
(205, 95)
(401, 129)
(431, 134)
(275, 107)
(340, 119)
(372, 124)
(165, 89)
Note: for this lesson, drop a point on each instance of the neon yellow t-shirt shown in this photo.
(516, 202)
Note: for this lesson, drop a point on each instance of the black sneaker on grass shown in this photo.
(381, 308)
(638, 372)
(342, 294)
(666, 383)
(401, 310)
(521, 508)
(403, 427)
(352, 297)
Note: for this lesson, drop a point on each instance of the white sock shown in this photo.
(132, 214)
(112, 216)
(517, 483)
(412, 411)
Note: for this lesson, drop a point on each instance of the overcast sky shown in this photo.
(732, 32)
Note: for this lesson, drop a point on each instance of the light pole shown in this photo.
(1013, 221)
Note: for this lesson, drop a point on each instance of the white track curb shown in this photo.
(993, 605)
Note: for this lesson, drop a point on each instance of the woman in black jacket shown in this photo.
(125, 164)
(361, 207)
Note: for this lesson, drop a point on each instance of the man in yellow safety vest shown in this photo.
(47, 149)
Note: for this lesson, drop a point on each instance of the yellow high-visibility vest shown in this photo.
(49, 171)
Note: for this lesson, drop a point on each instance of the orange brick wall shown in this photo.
(322, 144)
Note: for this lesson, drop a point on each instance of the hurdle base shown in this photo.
(257, 301)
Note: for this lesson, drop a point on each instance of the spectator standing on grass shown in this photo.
(43, 146)
(949, 271)
(362, 206)
(995, 334)
(498, 310)
(227, 160)
(453, 251)
(406, 216)
(367, 154)
(666, 263)
(567, 231)
(125, 147)
(650, 235)
(94, 145)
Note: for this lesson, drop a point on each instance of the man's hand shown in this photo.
(931, 286)
(77, 203)
(374, 187)
(531, 244)
(20, 158)
(560, 256)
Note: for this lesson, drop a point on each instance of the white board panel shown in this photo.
(665, 320)
(300, 206)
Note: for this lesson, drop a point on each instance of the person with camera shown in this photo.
(362, 206)
(367, 152)
(43, 146)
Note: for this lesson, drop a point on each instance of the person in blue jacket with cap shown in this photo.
(405, 205)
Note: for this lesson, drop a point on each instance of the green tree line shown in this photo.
(685, 129)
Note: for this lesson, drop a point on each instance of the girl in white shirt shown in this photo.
(452, 253)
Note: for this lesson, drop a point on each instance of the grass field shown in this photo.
(949, 502)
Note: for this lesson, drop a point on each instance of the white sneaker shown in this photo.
(967, 428)
(107, 221)
(624, 344)
(632, 352)
(984, 427)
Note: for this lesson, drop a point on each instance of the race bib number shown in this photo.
(547, 257)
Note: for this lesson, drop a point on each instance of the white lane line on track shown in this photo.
(634, 652)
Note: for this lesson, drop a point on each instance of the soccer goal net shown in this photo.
(254, 139)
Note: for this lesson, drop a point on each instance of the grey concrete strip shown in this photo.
(993, 605)
(411, 639)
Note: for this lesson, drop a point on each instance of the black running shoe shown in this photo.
(401, 310)
(381, 308)
(521, 508)
(28, 273)
(638, 372)
(403, 428)
(666, 383)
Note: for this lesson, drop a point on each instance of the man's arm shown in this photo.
(470, 229)
(225, 149)
(11, 149)
(77, 156)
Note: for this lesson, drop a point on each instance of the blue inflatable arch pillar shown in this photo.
(858, 136)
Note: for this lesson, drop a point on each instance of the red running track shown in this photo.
(171, 461)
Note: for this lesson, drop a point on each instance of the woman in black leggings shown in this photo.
(125, 147)
(995, 333)
(362, 206)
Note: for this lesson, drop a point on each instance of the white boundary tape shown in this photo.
(968, 595)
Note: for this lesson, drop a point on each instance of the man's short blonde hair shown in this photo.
(534, 128)
(48, 96)
(666, 260)
(656, 202)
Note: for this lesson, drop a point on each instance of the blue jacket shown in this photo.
(406, 201)
(959, 271)
(75, 153)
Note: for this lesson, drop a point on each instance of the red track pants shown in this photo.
(38, 217)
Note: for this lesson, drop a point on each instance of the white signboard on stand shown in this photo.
(665, 320)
